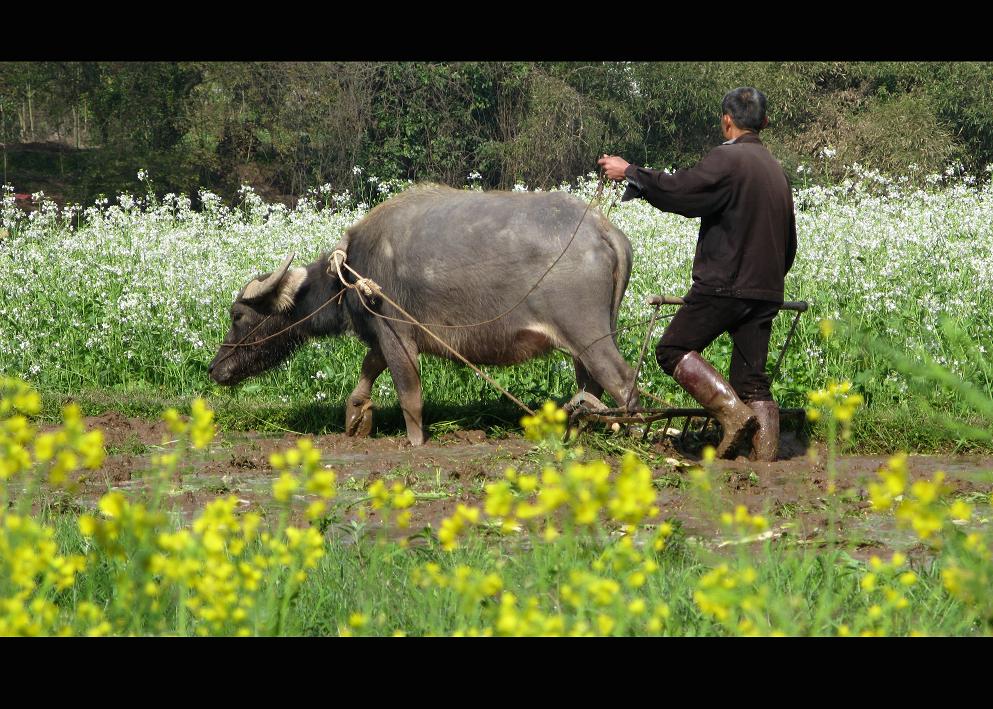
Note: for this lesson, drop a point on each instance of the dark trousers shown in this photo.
(704, 318)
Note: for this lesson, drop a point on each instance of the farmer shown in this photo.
(746, 246)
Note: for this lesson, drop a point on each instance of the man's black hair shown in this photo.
(746, 106)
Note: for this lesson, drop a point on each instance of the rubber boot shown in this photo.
(711, 390)
(765, 442)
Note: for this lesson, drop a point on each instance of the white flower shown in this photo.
(356, 170)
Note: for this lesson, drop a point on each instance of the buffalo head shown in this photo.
(267, 321)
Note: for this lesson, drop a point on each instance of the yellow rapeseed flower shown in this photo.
(869, 582)
(452, 527)
(316, 509)
(112, 504)
(547, 423)
(402, 497)
(961, 510)
(202, 428)
(284, 486)
(527, 483)
(174, 421)
(379, 493)
(499, 499)
(322, 483)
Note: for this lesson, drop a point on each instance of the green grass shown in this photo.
(360, 574)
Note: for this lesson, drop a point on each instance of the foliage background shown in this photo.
(80, 129)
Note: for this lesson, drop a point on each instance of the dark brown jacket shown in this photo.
(747, 239)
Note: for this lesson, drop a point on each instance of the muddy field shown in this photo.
(453, 468)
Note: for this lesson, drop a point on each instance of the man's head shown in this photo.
(743, 109)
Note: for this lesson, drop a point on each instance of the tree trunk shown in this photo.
(31, 112)
(75, 125)
(3, 139)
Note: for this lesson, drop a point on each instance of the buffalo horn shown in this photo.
(259, 288)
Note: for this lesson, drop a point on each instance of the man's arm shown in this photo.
(696, 192)
(791, 244)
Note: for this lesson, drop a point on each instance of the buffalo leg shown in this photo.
(585, 381)
(358, 406)
(401, 357)
(605, 364)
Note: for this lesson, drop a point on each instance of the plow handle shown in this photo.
(799, 306)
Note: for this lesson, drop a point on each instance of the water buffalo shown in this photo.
(449, 257)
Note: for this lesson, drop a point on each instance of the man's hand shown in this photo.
(613, 166)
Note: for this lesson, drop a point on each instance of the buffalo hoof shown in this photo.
(584, 401)
(413, 439)
(358, 418)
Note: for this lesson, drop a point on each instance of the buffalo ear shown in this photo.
(286, 292)
(283, 297)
